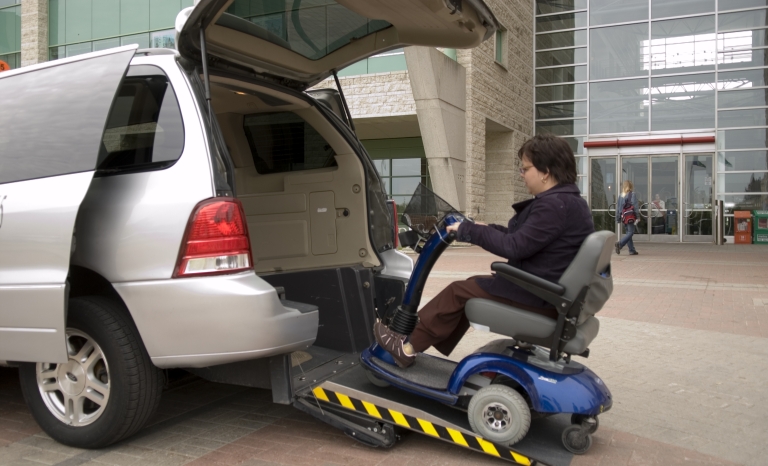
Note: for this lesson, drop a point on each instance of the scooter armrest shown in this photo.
(516, 276)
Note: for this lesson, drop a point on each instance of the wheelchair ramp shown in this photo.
(352, 391)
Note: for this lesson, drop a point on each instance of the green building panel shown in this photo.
(10, 29)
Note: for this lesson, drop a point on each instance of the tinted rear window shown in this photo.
(313, 28)
(144, 129)
(284, 142)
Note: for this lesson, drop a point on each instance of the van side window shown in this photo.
(144, 129)
(284, 142)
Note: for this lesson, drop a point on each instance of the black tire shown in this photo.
(134, 383)
(375, 380)
(516, 416)
(575, 441)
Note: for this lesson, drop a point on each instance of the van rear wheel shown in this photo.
(107, 389)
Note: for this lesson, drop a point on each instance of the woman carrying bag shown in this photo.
(628, 213)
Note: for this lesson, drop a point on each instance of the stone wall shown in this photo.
(34, 31)
(376, 95)
(499, 101)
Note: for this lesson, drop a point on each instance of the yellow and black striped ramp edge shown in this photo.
(453, 435)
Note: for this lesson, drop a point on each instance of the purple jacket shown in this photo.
(542, 239)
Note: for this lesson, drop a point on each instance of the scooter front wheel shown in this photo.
(499, 414)
(577, 440)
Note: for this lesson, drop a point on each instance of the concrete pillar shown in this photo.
(439, 91)
(34, 31)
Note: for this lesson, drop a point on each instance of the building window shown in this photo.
(500, 49)
(77, 26)
(10, 32)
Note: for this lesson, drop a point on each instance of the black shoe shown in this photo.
(633, 253)
(618, 248)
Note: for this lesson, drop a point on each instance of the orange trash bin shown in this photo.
(742, 232)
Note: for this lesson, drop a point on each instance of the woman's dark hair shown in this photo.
(551, 154)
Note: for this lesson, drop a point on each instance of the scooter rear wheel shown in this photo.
(375, 380)
(499, 414)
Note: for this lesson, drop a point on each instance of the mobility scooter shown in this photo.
(506, 383)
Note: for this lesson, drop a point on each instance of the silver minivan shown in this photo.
(197, 208)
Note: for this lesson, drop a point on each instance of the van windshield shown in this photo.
(312, 28)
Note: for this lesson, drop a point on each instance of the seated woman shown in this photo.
(542, 239)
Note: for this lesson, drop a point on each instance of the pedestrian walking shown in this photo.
(628, 213)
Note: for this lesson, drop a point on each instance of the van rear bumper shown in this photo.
(205, 321)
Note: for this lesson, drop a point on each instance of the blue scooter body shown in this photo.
(552, 388)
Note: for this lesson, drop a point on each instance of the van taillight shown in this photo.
(216, 240)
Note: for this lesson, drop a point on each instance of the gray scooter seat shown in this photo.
(581, 292)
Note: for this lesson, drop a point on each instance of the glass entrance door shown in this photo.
(637, 170)
(656, 180)
(697, 208)
(663, 209)
(602, 192)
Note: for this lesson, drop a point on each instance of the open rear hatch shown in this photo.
(300, 43)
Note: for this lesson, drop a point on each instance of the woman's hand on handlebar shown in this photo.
(455, 226)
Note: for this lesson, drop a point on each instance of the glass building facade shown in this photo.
(10, 32)
(82, 26)
(655, 70)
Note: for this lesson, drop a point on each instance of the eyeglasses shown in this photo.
(525, 169)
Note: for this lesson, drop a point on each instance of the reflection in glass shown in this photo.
(618, 51)
(663, 206)
(754, 138)
(738, 4)
(79, 49)
(742, 160)
(382, 167)
(403, 186)
(561, 57)
(742, 59)
(618, 106)
(561, 39)
(742, 78)
(604, 188)
(743, 98)
(683, 102)
(577, 145)
(733, 203)
(562, 127)
(557, 22)
(667, 8)
(407, 167)
(567, 92)
(616, 11)
(581, 165)
(604, 220)
(561, 75)
(746, 117)
(741, 40)
(561, 110)
(544, 7)
(743, 182)
(682, 45)
(697, 195)
(742, 20)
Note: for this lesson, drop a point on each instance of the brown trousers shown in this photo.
(442, 321)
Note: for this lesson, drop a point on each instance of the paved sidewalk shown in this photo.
(682, 347)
